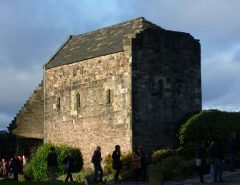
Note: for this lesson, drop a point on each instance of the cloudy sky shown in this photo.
(32, 30)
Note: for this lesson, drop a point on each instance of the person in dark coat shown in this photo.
(136, 164)
(96, 160)
(52, 163)
(15, 166)
(68, 163)
(143, 163)
(201, 152)
(116, 162)
(216, 151)
(232, 147)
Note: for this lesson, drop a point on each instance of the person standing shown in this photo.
(4, 168)
(52, 163)
(216, 151)
(117, 163)
(232, 148)
(96, 160)
(201, 160)
(15, 165)
(143, 163)
(136, 164)
(10, 167)
(69, 162)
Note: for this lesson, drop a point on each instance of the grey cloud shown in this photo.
(31, 31)
(4, 118)
(220, 76)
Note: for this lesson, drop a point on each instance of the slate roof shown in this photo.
(98, 43)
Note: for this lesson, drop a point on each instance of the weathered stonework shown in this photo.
(27, 126)
(95, 122)
(166, 85)
(128, 84)
(132, 93)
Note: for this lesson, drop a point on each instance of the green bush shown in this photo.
(162, 154)
(126, 172)
(168, 165)
(39, 160)
(28, 172)
(186, 152)
(209, 123)
(184, 169)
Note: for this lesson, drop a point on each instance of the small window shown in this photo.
(58, 103)
(78, 101)
(109, 96)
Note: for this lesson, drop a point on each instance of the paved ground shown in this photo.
(230, 178)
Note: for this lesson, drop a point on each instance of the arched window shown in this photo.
(109, 96)
(78, 101)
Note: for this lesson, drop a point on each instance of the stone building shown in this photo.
(128, 84)
(26, 129)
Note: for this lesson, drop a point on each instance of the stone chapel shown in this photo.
(129, 84)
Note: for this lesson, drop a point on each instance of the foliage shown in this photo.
(28, 172)
(39, 160)
(208, 123)
(9, 182)
(186, 152)
(174, 167)
(184, 169)
(168, 165)
(161, 154)
(126, 172)
(86, 173)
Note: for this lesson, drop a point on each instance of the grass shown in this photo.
(59, 181)
(37, 183)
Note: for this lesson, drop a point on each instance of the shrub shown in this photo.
(39, 160)
(184, 169)
(126, 172)
(28, 172)
(168, 165)
(186, 152)
(161, 154)
(210, 123)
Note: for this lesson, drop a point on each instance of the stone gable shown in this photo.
(129, 84)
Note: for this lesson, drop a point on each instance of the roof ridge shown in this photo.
(99, 42)
(145, 24)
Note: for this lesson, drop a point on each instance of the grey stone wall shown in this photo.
(93, 120)
(28, 122)
(166, 85)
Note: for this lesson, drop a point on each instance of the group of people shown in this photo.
(138, 165)
(14, 166)
(213, 153)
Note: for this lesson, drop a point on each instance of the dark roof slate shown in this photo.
(98, 43)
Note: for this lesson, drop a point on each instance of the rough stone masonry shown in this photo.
(128, 84)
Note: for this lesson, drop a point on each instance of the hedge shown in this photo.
(38, 163)
(210, 123)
